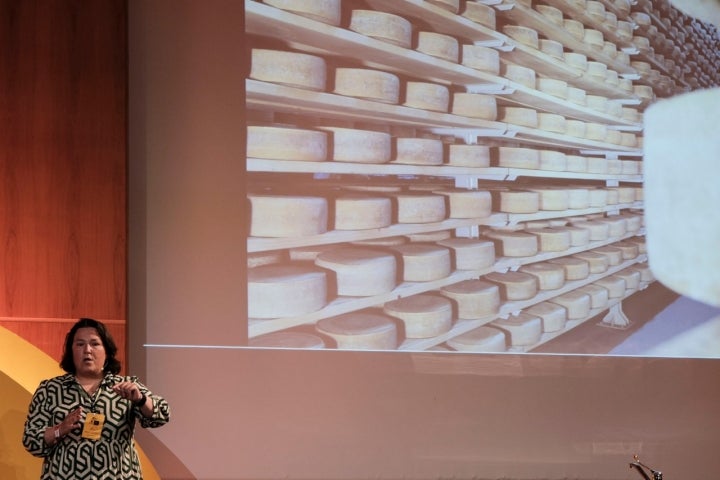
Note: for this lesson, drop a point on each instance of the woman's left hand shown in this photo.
(128, 391)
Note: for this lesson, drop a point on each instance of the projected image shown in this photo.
(426, 177)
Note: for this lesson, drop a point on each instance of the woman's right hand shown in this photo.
(71, 421)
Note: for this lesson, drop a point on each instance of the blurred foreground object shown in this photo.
(704, 10)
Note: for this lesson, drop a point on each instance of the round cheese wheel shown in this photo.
(474, 105)
(595, 131)
(361, 212)
(613, 284)
(597, 102)
(574, 128)
(552, 198)
(427, 96)
(514, 285)
(361, 331)
(480, 13)
(576, 163)
(419, 151)
(382, 26)
(549, 276)
(551, 86)
(526, 36)
(481, 58)
(617, 225)
(554, 316)
(594, 38)
(644, 92)
(482, 339)
(624, 30)
(578, 197)
(325, 11)
(359, 146)
(598, 231)
(628, 139)
(517, 157)
(523, 329)
(465, 203)
(624, 84)
(434, 236)
(367, 84)
(633, 222)
(552, 14)
(612, 78)
(282, 216)
(423, 315)
(597, 165)
(610, 20)
(622, 58)
(613, 255)
(599, 296)
(598, 197)
(629, 250)
(470, 253)
(626, 194)
(631, 114)
(646, 275)
(281, 143)
(360, 272)
(526, 117)
(522, 75)
(515, 201)
(552, 48)
(452, 6)
(575, 28)
(598, 262)
(287, 339)
(438, 45)
(575, 268)
(576, 96)
(551, 239)
(475, 298)
(595, 9)
(551, 122)
(553, 161)
(415, 207)
(288, 68)
(302, 288)
(577, 60)
(424, 262)
(514, 244)
(575, 302)
(578, 236)
(640, 242)
(641, 43)
(461, 155)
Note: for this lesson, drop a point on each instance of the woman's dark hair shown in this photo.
(112, 364)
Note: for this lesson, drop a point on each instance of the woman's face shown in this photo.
(88, 352)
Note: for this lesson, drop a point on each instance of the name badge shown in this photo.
(93, 426)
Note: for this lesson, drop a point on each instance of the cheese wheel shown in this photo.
(470, 253)
(595, 9)
(514, 285)
(629, 250)
(522, 75)
(526, 36)
(597, 102)
(575, 268)
(367, 84)
(610, 49)
(549, 276)
(515, 201)
(617, 225)
(610, 20)
(516, 157)
(612, 78)
(599, 296)
(553, 161)
(465, 203)
(633, 222)
(552, 48)
(438, 45)
(282, 216)
(578, 197)
(414, 207)
(575, 302)
(287, 339)
(288, 68)
(551, 239)
(427, 96)
(626, 194)
(576, 163)
(553, 316)
(551, 122)
(523, 329)
(419, 151)
(594, 38)
(598, 231)
(551, 86)
(597, 165)
(382, 26)
(624, 30)
(598, 197)
(475, 298)
(434, 236)
(552, 198)
(631, 114)
(359, 146)
(280, 143)
(552, 14)
(480, 13)
(481, 58)
(360, 272)
(361, 212)
(461, 155)
(575, 28)
(644, 92)
(577, 60)
(514, 244)
(641, 43)
(577, 96)
(624, 84)
(614, 168)
(613, 284)
(482, 339)
(640, 242)
(423, 315)
(474, 105)
(598, 262)
(578, 236)
(574, 128)
(646, 275)
(613, 254)
(526, 117)
(452, 6)
(325, 11)
(361, 331)
(302, 288)
(595, 131)
(424, 262)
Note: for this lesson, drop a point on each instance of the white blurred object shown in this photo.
(704, 10)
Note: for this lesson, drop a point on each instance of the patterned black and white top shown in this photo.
(113, 456)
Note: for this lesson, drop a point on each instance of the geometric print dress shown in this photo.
(113, 455)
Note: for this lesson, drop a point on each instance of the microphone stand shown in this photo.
(641, 467)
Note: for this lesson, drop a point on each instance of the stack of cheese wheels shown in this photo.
(577, 163)
(326, 11)
(575, 128)
(438, 45)
(419, 151)
(613, 255)
(514, 285)
(523, 329)
(419, 207)
(526, 36)
(629, 250)
(480, 13)
(285, 143)
(523, 75)
(363, 330)
(551, 239)
(516, 157)
(552, 14)
(474, 105)
(481, 58)
(360, 272)
(554, 316)
(427, 96)
(289, 68)
(598, 231)
(599, 296)
(613, 284)
(382, 26)
(555, 199)
(303, 289)
(470, 253)
(526, 117)
(475, 298)
(553, 161)
(359, 146)
(552, 122)
(575, 302)
(424, 315)
(362, 212)
(597, 262)
(287, 339)
(552, 48)
(552, 86)
(466, 203)
(461, 155)
(515, 201)
(281, 216)
(632, 279)
(549, 276)
(513, 244)
(424, 262)
(575, 268)
(367, 84)
(482, 339)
